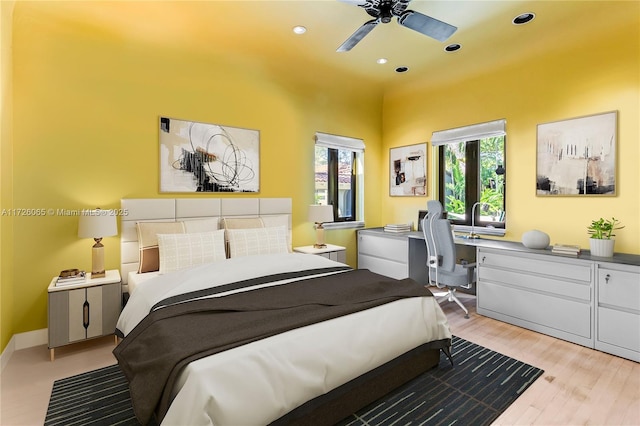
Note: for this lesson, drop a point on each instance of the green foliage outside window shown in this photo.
(491, 184)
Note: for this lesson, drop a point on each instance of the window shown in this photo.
(471, 174)
(338, 175)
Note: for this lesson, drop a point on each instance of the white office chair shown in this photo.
(444, 272)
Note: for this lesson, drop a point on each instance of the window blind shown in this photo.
(469, 133)
(339, 142)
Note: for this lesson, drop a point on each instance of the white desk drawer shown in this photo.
(394, 249)
(384, 267)
(546, 265)
(619, 288)
(554, 313)
(537, 283)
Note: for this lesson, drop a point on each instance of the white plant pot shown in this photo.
(601, 248)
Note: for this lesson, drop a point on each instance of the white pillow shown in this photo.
(278, 220)
(251, 241)
(178, 251)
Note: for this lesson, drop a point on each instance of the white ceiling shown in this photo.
(263, 30)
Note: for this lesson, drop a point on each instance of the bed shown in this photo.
(273, 337)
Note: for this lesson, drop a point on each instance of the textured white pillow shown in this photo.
(278, 220)
(178, 251)
(251, 241)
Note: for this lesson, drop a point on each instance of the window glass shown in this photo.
(454, 180)
(335, 181)
(472, 173)
(346, 184)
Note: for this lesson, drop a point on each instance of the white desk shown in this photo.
(592, 301)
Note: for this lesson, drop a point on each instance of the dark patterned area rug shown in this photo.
(475, 391)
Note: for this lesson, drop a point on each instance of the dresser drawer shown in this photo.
(619, 288)
(394, 249)
(548, 314)
(536, 283)
(384, 267)
(619, 329)
(546, 265)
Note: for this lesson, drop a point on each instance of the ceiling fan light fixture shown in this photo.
(299, 29)
(452, 47)
(523, 18)
(402, 69)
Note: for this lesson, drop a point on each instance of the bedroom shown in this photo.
(82, 96)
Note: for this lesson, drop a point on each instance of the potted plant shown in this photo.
(601, 231)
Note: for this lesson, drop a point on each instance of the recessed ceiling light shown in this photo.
(523, 18)
(402, 69)
(299, 29)
(452, 47)
(382, 61)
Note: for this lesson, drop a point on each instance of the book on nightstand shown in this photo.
(69, 279)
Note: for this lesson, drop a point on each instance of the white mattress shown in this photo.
(280, 373)
(134, 279)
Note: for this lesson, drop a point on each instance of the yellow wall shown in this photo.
(597, 75)
(6, 174)
(86, 108)
(80, 129)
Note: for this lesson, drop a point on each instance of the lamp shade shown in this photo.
(320, 214)
(97, 224)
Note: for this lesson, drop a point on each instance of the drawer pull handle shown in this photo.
(85, 314)
(483, 258)
(606, 278)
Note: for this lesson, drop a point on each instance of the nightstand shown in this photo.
(337, 253)
(83, 310)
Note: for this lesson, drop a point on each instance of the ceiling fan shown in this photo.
(382, 12)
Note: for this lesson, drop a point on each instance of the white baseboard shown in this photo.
(8, 351)
(23, 341)
(31, 338)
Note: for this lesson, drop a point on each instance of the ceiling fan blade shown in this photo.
(358, 35)
(426, 25)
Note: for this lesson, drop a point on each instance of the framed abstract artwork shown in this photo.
(577, 156)
(408, 170)
(201, 157)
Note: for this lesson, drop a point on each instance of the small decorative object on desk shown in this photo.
(70, 276)
(402, 227)
(535, 239)
(566, 249)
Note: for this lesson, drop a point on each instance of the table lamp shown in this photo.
(320, 214)
(97, 224)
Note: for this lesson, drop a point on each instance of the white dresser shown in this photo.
(588, 300)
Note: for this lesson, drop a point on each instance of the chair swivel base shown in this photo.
(450, 296)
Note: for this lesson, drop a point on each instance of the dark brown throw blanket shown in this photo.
(154, 353)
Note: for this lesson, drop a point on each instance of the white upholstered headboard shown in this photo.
(174, 209)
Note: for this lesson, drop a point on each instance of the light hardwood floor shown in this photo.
(580, 386)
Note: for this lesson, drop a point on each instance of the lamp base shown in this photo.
(319, 237)
(97, 260)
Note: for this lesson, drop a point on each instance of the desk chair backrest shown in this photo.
(438, 238)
